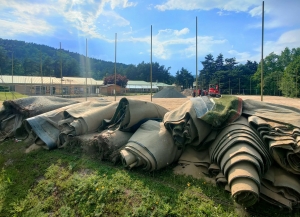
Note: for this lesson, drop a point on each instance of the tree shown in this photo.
(230, 63)
(209, 68)
(3, 59)
(290, 83)
(219, 63)
(131, 72)
(271, 66)
(120, 80)
(184, 78)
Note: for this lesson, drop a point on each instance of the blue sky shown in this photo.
(230, 27)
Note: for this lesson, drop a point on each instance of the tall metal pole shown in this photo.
(151, 66)
(86, 69)
(41, 68)
(12, 70)
(296, 83)
(196, 57)
(115, 66)
(61, 89)
(262, 55)
(250, 85)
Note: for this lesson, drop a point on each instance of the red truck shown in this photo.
(214, 90)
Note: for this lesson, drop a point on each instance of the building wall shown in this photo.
(67, 89)
(109, 90)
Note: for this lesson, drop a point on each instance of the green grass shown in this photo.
(66, 182)
(10, 95)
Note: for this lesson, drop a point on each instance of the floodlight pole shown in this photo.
(60, 70)
(196, 56)
(41, 68)
(296, 83)
(12, 69)
(262, 55)
(151, 66)
(115, 66)
(86, 69)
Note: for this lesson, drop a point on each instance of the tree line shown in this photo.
(281, 76)
(21, 58)
(280, 73)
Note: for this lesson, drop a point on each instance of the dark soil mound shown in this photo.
(168, 92)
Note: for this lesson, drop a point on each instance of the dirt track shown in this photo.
(172, 103)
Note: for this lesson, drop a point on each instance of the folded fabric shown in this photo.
(185, 127)
(130, 114)
(194, 163)
(240, 133)
(150, 147)
(85, 118)
(283, 141)
(281, 188)
(13, 112)
(192, 122)
(54, 130)
(242, 158)
(274, 112)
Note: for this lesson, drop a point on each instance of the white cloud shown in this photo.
(83, 15)
(10, 29)
(181, 32)
(231, 5)
(277, 12)
(169, 42)
(115, 18)
(256, 11)
(222, 13)
(205, 45)
(123, 3)
(24, 18)
(288, 39)
(242, 57)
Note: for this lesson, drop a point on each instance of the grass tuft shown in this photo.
(64, 183)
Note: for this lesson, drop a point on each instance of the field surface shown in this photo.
(173, 103)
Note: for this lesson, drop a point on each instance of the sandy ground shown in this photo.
(172, 103)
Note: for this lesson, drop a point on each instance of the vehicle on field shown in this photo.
(213, 90)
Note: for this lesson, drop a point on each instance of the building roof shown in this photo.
(18, 79)
(137, 83)
(159, 84)
(80, 80)
(148, 86)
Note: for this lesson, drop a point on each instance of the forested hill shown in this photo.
(281, 72)
(27, 59)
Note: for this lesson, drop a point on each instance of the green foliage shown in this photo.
(10, 95)
(61, 183)
(227, 73)
(280, 73)
(184, 78)
(34, 59)
(290, 83)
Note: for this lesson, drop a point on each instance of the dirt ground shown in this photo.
(172, 103)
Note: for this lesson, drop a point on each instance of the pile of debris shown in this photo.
(250, 148)
(187, 92)
(169, 92)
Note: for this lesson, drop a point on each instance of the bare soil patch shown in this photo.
(173, 103)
